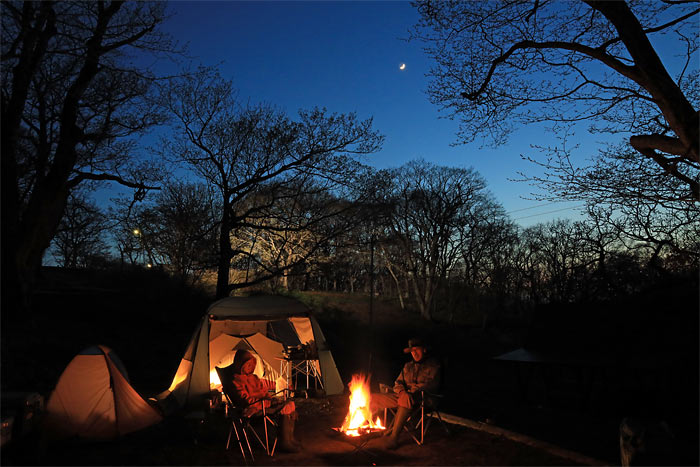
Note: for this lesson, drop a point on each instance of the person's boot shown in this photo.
(293, 438)
(399, 421)
(387, 430)
(287, 434)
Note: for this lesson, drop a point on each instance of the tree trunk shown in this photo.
(224, 262)
(29, 234)
(423, 297)
(651, 74)
(19, 267)
(399, 293)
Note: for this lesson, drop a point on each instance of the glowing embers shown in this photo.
(359, 418)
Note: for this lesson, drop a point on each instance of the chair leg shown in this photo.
(428, 419)
(422, 423)
(390, 426)
(247, 441)
(271, 451)
(234, 429)
(413, 434)
(230, 432)
(444, 425)
(410, 427)
(274, 444)
(267, 439)
(265, 442)
(257, 436)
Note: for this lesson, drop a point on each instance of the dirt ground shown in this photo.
(194, 442)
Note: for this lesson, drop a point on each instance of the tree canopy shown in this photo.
(72, 96)
(260, 159)
(500, 64)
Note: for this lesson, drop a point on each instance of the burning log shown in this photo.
(359, 418)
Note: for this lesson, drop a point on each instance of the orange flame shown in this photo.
(359, 417)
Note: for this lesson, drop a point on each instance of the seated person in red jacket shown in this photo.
(420, 374)
(251, 392)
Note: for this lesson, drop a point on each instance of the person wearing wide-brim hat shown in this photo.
(416, 343)
(420, 374)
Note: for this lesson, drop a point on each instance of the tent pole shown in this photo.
(371, 301)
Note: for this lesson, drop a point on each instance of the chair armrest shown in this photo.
(281, 391)
(267, 397)
(431, 399)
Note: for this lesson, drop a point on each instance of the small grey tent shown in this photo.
(93, 399)
(262, 323)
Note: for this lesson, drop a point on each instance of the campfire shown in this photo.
(359, 419)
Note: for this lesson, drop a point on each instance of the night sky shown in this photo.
(346, 56)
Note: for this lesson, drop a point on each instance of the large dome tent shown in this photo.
(265, 324)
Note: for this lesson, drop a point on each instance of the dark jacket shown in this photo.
(419, 376)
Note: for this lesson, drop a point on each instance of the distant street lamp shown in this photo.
(137, 233)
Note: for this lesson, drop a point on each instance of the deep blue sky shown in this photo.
(345, 56)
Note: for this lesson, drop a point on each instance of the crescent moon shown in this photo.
(402, 66)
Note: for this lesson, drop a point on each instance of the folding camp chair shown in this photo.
(424, 415)
(241, 424)
(423, 412)
(421, 416)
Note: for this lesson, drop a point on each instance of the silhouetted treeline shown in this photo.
(432, 238)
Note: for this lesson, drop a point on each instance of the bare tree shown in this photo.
(183, 228)
(70, 99)
(488, 239)
(243, 150)
(429, 205)
(343, 263)
(482, 238)
(273, 241)
(81, 232)
(394, 262)
(503, 63)
(128, 244)
(659, 231)
(175, 228)
(132, 230)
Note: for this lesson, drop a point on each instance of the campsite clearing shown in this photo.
(148, 320)
(177, 441)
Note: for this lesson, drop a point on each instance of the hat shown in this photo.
(415, 342)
